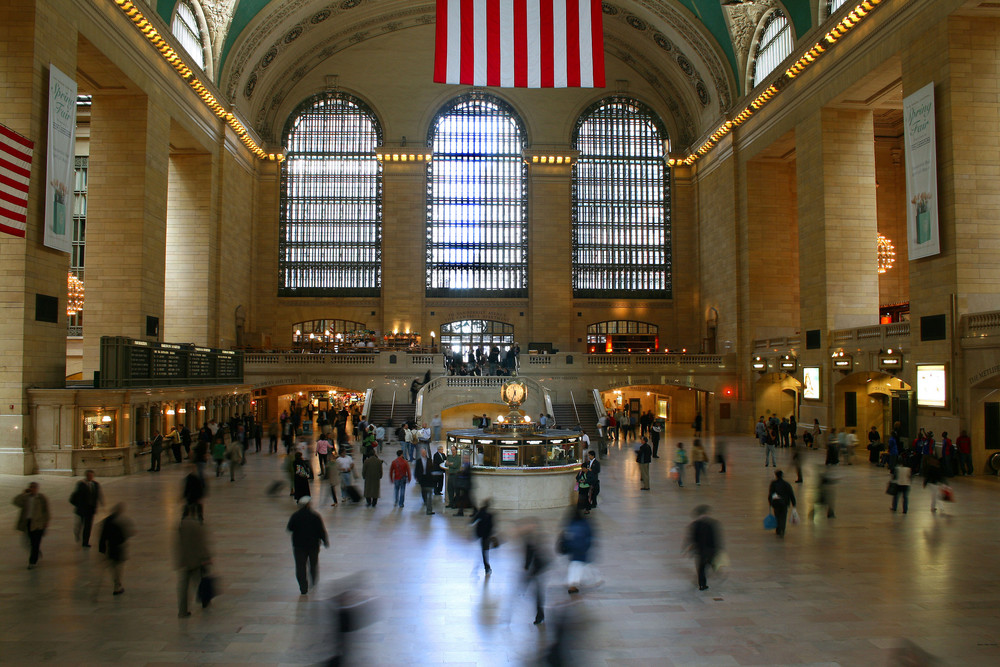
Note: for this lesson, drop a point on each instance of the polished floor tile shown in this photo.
(866, 588)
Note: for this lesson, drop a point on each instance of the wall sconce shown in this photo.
(891, 360)
(201, 407)
(170, 411)
(842, 362)
(788, 363)
(106, 419)
(759, 364)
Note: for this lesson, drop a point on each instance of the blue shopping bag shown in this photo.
(770, 522)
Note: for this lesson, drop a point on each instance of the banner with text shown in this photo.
(921, 174)
(61, 154)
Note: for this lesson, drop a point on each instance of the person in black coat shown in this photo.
(643, 457)
(423, 472)
(85, 500)
(155, 452)
(307, 529)
(482, 518)
(536, 561)
(704, 540)
(780, 496)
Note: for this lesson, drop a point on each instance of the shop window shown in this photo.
(99, 429)
(622, 337)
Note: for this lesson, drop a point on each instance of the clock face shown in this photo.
(514, 392)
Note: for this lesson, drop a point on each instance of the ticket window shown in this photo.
(99, 429)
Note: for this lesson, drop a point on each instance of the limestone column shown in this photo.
(190, 245)
(34, 35)
(962, 58)
(838, 227)
(550, 257)
(126, 221)
(404, 231)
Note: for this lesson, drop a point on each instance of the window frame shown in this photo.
(764, 49)
(195, 33)
(612, 225)
(496, 247)
(343, 234)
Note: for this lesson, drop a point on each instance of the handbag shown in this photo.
(770, 522)
(721, 560)
(947, 494)
(794, 516)
(892, 489)
(206, 589)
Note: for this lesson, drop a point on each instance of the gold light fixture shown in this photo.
(74, 294)
(886, 254)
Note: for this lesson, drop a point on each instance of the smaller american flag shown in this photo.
(15, 172)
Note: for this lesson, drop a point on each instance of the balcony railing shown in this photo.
(877, 334)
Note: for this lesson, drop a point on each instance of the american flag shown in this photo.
(15, 172)
(520, 43)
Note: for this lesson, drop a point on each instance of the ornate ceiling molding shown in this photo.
(694, 36)
(263, 109)
(743, 20)
(683, 120)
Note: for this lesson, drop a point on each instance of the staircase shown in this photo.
(566, 416)
(402, 412)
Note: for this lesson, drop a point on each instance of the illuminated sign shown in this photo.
(810, 381)
(931, 386)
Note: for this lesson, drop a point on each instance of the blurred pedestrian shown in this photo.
(192, 557)
(902, 476)
(536, 561)
(576, 541)
(194, 490)
(33, 519)
(583, 489)
(720, 455)
(345, 464)
(699, 458)
(307, 529)
(218, 455)
(463, 489)
(643, 457)
(452, 465)
(482, 519)
(425, 478)
(680, 460)
(797, 464)
(779, 497)
(115, 531)
(323, 447)
(371, 472)
(234, 455)
(438, 466)
(704, 540)
(86, 498)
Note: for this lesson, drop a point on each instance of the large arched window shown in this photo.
(775, 45)
(621, 202)
(477, 239)
(622, 336)
(188, 32)
(331, 200)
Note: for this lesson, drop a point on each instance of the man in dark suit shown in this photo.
(85, 500)
(155, 452)
(704, 540)
(780, 496)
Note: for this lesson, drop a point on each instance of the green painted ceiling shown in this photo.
(709, 12)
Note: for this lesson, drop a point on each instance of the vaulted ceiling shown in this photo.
(693, 53)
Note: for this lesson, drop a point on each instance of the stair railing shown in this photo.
(577, 412)
(365, 411)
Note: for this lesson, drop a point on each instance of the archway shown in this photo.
(871, 398)
(777, 394)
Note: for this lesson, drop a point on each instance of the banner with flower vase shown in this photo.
(921, 173)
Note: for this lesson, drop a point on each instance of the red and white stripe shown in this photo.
(15, 173)
(520, 43)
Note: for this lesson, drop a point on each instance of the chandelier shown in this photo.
(74, 298)
(886, 254)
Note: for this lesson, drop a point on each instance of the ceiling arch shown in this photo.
(693, 51)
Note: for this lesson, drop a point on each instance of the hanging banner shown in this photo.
(61, 153)
(921, 174)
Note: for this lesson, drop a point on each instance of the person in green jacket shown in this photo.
(218, 455)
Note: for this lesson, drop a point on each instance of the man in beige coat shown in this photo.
(33, 519)
(192, 557)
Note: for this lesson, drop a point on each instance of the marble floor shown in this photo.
(866, 588)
